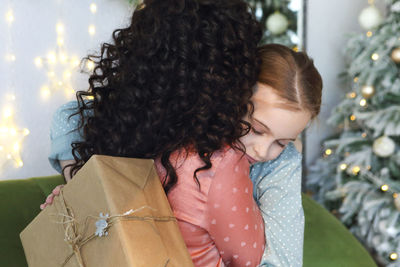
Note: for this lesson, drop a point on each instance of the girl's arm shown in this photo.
(277, 190)
(62, 134)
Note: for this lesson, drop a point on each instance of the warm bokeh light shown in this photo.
(10, 57)
(385, 187)
(93, 8)
(351, 95)
(90, 65)
(393, 256)
(375, 56)
(45, 92)
(10, 16)
(92, 29)
(343, 166)
(52, 57)
(63, 58)
(7, 112)
(60, 28)
(356, 170)
(38, 62)
(60, 41)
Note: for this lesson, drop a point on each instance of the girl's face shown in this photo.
(273, 125)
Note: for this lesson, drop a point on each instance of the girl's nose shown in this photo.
(261, 150)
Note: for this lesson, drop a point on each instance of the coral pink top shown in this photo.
(220, 222)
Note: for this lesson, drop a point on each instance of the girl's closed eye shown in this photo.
(280, 144)
(256, 131)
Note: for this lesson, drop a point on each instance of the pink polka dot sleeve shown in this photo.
(234, 220)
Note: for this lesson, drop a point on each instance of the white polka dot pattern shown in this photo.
(63, 133)
(277, 190)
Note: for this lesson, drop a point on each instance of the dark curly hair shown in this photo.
(181, 75)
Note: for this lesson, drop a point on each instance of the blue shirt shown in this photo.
(277, 190)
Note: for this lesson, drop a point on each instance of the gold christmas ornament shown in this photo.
(396, 55)
(368, 91)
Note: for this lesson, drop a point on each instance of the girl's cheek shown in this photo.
(247, 139)
(277, 150)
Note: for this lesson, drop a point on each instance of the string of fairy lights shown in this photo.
(11, 136)
(58, 64)
(59, 67)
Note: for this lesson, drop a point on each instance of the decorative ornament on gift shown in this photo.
(370, 18)
(368, 91)
(277, 23)
(101, 225)
(384, 146)
(395, 55)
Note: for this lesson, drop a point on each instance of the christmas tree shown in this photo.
(358, 176)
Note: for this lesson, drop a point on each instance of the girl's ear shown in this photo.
(297, 143)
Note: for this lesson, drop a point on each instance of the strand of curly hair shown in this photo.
(181, 75)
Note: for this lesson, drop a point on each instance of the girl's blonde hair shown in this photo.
(293, 76)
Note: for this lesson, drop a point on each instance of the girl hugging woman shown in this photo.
(179, 86)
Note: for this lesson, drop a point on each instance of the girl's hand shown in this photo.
(49, 199)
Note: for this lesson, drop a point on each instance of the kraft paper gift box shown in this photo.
(114, 212)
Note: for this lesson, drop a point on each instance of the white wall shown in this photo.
(33, 34)
(327, 23)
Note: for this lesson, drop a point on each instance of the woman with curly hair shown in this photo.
(175, 87)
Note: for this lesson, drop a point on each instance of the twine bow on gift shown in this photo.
(76, 240)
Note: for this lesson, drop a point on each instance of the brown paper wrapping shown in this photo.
(112, 185)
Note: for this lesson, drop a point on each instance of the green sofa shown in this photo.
(327, 243)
